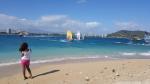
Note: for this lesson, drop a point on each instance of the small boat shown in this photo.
(147, 38)
(69, 36)
(137, 40)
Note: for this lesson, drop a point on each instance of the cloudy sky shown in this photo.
(87, 16)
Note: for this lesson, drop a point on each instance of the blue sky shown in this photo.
(100, 16)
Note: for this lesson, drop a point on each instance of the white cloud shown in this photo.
(92, 24)
(128, 26)
(51, 23)
(62, 23)
(53, 17)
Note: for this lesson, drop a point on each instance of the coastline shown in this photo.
(91, 71)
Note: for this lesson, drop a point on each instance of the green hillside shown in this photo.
(128, 34)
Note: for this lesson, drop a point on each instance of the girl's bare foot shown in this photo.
(30, 77)
(25, 78)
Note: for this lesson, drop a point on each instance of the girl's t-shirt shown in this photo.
(26, 55)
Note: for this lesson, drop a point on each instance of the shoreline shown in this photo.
(53, 60)
(104, 57)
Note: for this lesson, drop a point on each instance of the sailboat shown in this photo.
(69, 36)
(83, 37)
(78, 35)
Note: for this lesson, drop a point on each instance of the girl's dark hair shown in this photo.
(23, 47)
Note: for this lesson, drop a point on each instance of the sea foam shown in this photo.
(129, 54)
(145, 54)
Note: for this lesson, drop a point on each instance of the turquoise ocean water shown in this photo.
(57, 48)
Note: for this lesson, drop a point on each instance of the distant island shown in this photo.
(128, 34)
(119, 34)
(25, 33)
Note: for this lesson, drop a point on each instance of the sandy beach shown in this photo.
(129, 71)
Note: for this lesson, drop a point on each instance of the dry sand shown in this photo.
(133, 71)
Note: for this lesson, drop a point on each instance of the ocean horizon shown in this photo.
(51, 49)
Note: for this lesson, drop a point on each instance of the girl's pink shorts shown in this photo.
(25, 62)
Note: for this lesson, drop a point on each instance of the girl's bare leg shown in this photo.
(29, 70)
(24, 72)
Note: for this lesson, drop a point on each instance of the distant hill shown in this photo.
(128, 34)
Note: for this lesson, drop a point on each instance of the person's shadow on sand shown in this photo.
(45, 73)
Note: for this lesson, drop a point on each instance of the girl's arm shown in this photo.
(22, 54)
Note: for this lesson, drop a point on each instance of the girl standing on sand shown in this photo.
(25, 59)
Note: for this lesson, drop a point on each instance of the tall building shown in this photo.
(8, 31)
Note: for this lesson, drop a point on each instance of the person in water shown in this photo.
(25, 59)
